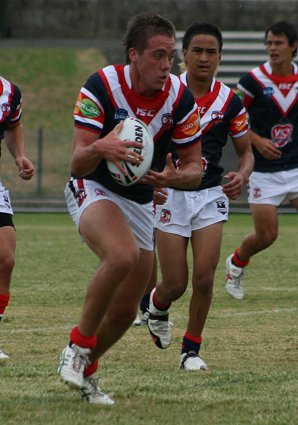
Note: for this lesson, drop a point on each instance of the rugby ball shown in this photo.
(135, 130)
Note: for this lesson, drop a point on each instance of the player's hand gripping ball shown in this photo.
(135, 130)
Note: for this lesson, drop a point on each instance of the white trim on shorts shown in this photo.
(187, 211)
(80, 193)
(273, 188)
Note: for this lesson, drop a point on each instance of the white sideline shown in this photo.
(44, 330)
(215, 316)
(267, 288)
(258, 312)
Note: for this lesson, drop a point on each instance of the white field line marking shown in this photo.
(258, 312)
(267, 288)
(46, 330)
(54, 329)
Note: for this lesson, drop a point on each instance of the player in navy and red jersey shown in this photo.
(11, 130)
(270, 93)
(116, 222)
(198, 215)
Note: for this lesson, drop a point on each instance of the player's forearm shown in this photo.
(246, 165)
(14, 139)
(255, 139)
(85, 160)
(188, 176)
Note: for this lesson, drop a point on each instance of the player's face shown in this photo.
(202, 56)
(279, 50)
(151, 68)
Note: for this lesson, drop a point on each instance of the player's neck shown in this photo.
(198, 87)
(139, 85)
(284, 69)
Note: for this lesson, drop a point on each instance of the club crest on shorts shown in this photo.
(165, 216)
(221, 207)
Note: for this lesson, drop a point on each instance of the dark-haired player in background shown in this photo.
(270, 94)
(197, 216)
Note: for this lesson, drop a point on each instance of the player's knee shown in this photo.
(176, 289)
(7, 262)
(125, 261)
(203, 285)
(268, 239)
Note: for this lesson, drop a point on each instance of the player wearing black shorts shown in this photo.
(11, 130)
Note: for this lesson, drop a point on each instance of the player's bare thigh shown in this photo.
(106, 231)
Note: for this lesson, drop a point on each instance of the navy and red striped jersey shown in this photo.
(272, 104)
(221, 115)
(108, 98)
(10, 105)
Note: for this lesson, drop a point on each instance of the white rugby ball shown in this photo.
(135, 130)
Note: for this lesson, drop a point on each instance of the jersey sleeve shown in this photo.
(89, 112)
(238, 124)
(188, 129)
(244, 90)
(17, 101)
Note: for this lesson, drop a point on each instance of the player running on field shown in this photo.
(270, 94)
(11, 130)
(197, 216)
(116, 221)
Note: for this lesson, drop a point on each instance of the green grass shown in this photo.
(50, 79)
(251, 346)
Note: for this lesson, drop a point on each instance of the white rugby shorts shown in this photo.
(187, 211)
(273, 188)
(80, 193)
(5, 204)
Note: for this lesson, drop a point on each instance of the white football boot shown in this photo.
(159, 325)
(91, 392)
(234, 279)
(3, 356)
(73, 361)
(141, 319)
(192, 361)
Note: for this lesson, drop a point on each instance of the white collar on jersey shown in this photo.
(268, 67)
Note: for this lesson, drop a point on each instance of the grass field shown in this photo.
(251, 346)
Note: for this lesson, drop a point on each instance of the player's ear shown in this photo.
(132, 55)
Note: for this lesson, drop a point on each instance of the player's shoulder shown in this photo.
(177, 82)
(9, 85)
(218, 85)
(98, 81)
(224, 90)
(250, 75)
(10, 89)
